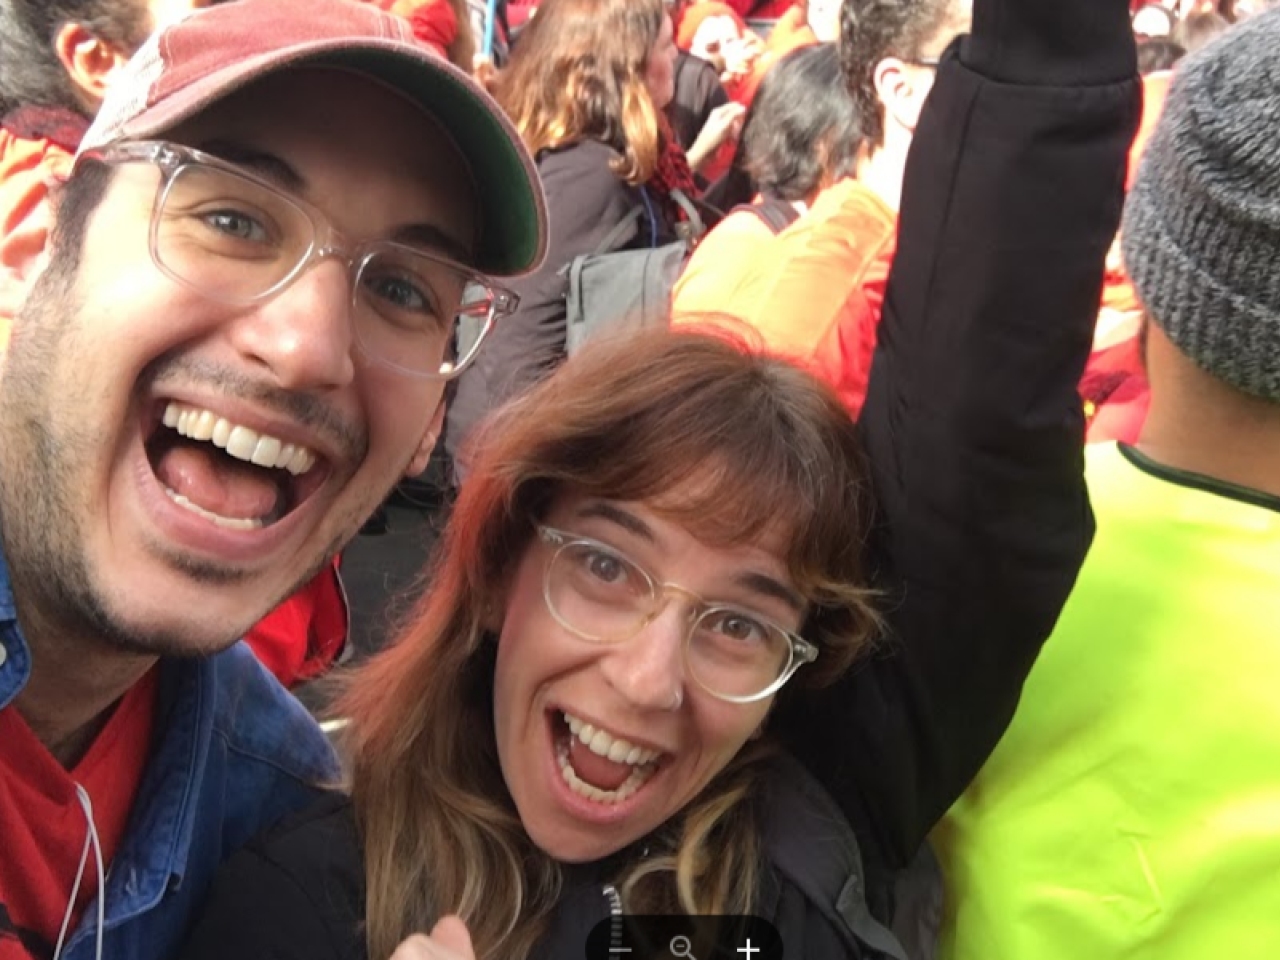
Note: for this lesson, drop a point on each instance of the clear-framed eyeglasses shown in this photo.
(601, 595)
(238, 239)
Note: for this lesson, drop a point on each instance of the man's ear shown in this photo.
(24, 251)
(423, 454)
(896, 88)
(89, 61)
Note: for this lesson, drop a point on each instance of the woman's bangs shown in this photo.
(725, 494)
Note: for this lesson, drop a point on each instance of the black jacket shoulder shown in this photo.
(297, 891)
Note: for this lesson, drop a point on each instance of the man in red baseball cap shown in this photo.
(229, 345)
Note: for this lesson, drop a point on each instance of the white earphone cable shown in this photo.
(90, 840)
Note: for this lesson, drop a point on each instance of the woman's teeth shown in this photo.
(603, 744)
(238, 441)
(615, 749)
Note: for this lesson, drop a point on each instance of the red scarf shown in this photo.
(672, 173)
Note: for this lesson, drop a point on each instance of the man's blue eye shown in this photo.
(233, 223)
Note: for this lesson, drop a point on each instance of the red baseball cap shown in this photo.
(191, 64)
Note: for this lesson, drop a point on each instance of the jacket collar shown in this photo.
(155, 851)
(15, 658)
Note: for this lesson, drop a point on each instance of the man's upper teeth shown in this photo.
(606, 745)
(238, 441)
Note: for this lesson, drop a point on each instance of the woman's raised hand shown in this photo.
(724, 124)
(449, 940)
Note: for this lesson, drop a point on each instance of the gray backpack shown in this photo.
(621, 290)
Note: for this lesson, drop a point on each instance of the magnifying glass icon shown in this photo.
(682, 948)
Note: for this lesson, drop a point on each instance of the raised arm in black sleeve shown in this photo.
(972, 422)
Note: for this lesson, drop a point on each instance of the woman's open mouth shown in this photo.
(597, 765)
(227, 473)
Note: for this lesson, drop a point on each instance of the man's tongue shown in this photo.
(601, 772)
(218, 483)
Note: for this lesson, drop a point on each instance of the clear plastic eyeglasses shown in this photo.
(600, 594)
(238, 239)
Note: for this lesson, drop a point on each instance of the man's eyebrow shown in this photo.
(266, 165)
(756, 582)
(432, 238)
(426, 236)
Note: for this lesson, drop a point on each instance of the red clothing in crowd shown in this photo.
(698, 14)
(791, 32)
(29, 161)
(44, 826)
(300, 639)
(813, 293)
(435, 24)
(761, 9)
(1114, 387)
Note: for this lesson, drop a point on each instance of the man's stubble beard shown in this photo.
(42, 458)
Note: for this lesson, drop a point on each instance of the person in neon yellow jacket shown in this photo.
(1133, 807)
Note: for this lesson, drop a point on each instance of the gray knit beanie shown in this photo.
(1201, 231)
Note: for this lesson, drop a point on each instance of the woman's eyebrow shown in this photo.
(768, 586)
(754, 581)
(623, 518)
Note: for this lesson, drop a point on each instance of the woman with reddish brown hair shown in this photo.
(655, 583)
(577, 712)
(586, 87)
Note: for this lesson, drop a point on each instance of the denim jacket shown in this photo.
(232, 753)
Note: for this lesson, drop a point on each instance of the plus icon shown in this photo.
(748, 950)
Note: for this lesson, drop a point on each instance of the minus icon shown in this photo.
(619, 949)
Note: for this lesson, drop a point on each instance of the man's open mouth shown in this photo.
(230, 474)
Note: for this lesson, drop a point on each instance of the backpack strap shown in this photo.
(616, 237)
(613, 240)
(809, 841)
(693, 228)
(776, 214)
(619, 235)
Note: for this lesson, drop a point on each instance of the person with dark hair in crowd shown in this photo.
(816, 292)
(1131, 809)
(889, 51)
(63, 53)
(231, 332)
(58, 58)
(1158, 54)
(575, 724)
(801, 136)
(586, 88)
